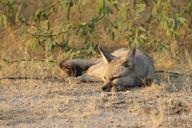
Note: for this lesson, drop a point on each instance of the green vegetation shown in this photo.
(35, 35)
(76, 27)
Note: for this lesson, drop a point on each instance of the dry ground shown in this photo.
(67, 103)
(56, 103)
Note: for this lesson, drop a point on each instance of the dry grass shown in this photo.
(67, 103)
(54, 103)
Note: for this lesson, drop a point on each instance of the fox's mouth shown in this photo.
(106, 88)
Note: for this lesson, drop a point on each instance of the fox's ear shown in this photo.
(129, 60)
(132, 52)
(107, 57)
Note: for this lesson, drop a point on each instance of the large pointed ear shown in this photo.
(132, 53)
(107, 57)
(129, 60)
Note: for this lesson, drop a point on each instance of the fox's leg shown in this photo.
(148, 82)
(127, 82)
(124, 83)
(87, 78)
(149, 77)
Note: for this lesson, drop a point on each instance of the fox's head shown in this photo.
(116, 68)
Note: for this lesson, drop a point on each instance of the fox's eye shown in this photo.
(105, 77)
(126, 65)
(115, 77)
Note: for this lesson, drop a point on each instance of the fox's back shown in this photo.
(144, 66)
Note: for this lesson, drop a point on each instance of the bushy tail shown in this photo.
(76, 67)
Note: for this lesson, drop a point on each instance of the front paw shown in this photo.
(118, 88)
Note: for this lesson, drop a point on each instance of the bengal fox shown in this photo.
(122, 69)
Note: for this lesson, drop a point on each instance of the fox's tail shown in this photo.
(76, 67)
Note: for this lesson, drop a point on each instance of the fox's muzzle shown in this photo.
(107, 87)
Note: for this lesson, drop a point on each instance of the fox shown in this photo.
(122, 69)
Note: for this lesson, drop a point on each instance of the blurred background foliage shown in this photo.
(52, 29)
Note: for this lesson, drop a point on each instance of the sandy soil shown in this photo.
(52, 103)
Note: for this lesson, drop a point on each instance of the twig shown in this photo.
(146, 2)
(173, 73)
(29, 78)
(26, 60)
(52, 6)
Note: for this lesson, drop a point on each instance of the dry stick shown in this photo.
(52, 6)
(27, 60)
(58, 79)
(173, 73)
(29, 78)
(47, 9)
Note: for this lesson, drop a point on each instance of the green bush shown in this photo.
(145, 23)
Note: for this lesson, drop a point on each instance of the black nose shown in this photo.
(105, 89)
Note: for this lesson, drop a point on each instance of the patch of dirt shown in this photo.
(43, 103)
